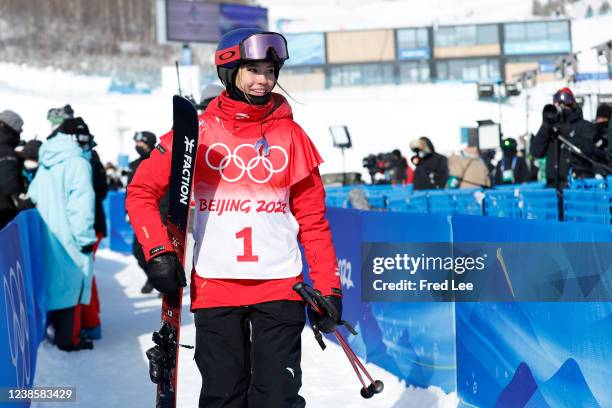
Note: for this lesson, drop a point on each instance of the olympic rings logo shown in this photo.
(17, 325)
(250, 165)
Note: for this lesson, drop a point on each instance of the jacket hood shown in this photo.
(229, 109)
(57, 149)
(575, 114)
(429, 145)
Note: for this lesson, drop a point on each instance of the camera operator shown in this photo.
(394, 166)
(370, 162)
(601, 152)
(431, 170)
(564, 118)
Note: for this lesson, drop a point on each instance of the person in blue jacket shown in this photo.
(64, 195)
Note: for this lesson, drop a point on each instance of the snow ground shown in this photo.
(115, 373)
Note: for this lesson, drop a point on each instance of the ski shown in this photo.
(163, 357)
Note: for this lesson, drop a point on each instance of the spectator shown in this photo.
(56, 116)
(564, 118)
(398, 172)
(511, 168)
(64, 195)
(29, 155)
(431, 170)
(601, 153)
(89, 314)
(145, 143)
(12, 185)
(467, 170)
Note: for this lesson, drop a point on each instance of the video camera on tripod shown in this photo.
(387, 164)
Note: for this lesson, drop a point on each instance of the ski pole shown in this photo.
(321, 306)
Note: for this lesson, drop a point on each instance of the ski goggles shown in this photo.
(140, 137)
(85, 140)
(564, 98)
(254, 48)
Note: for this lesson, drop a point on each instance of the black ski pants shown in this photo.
(249, 356)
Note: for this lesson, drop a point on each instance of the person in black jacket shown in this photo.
(511, 169)
(145, 143)
(101, 190)
(12, 184)
(601, 153)
(431, 170)
(564, 118)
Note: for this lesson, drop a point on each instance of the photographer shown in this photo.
(564, 118)
(601, 153)
(431, 170)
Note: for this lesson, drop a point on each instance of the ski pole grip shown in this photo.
(301, 289)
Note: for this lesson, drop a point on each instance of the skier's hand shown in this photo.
(166, 273)
(332, 308)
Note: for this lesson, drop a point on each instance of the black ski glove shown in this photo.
(331, 306)
(166, 273)
(87, 249)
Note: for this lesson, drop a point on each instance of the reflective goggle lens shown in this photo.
(256, 47)
(564, 98)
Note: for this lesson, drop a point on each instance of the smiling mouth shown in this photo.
(259, 91)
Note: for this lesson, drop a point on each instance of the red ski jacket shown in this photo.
(258, 192)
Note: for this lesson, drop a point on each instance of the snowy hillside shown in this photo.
(331, 15)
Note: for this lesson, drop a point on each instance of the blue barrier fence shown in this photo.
(22, 296)
(489, 353)
(585, 201)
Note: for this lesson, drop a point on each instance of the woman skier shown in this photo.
(258, 194)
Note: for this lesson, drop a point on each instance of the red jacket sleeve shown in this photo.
(148, 185)
(307, 202)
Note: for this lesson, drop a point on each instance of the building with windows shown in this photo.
(465, 52)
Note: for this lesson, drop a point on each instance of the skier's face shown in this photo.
(256, 78)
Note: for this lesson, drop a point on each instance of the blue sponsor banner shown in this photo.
(535, 354)
(234, 16)
(405, 54)
(306, 49)
(537, 47)
(22, 316)
(592, 76)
